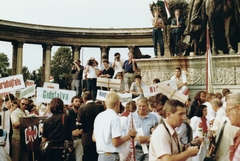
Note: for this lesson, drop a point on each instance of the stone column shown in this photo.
(19, 57)
(76, 52)
(14, 57)
(104, 51)
(47, 61)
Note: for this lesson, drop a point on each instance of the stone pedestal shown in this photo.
(226, 71)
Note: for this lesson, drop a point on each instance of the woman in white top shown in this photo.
(200, 124)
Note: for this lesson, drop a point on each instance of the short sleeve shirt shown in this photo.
(15, 117)
(107, 125)
(161, 143)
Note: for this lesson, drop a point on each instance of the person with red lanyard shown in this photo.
(200, 124)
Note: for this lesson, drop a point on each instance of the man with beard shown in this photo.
(73, 111)
(199, 99)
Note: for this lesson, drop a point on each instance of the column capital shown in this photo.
(104, 49)
(76, 48)
(47, 46)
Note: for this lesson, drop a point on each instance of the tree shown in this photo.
(4, 64)
(25, 73)
(61, 65)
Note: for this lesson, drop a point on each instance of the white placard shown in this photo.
(11, 83)
(51, 85)
(109, 83)
(47, 94)
(29, 82)
(28, 91)
(124, 98)
(171, 83)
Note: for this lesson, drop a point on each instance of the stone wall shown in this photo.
(226, 71)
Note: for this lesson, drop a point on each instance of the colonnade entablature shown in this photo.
(105, 38)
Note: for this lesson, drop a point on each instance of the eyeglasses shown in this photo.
(24, 104)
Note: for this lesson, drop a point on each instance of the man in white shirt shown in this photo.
(220, 113)
(136, 87)
(164, 143)
(181, 81)
(108, 130)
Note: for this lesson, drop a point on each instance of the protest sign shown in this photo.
(31, 133)
(47, 94)
(171, 83)
(109, 83)
(51, 85)
(29, 82)
(124, 98)
(26, 92)
(166, 90)
(11, 83)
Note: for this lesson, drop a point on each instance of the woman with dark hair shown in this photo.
(56, 130)
(200, 124)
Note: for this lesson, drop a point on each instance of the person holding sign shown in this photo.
(181, 81)
(143, 122)
(17, 153)
(136, 87)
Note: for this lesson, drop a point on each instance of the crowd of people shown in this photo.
(157, 127)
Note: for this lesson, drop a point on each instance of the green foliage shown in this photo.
(25, 73)
(61, 65)
(4, 64)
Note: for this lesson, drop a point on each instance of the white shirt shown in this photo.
(182, 79)
(218, 119)
(107, 125)
(211, 114)
(91, 73)
(161, 143)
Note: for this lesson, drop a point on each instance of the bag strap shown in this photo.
(219, 138)
(63, 119)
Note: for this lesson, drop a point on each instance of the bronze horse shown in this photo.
(218, 11)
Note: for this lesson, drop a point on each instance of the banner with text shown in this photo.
(31, 132)
(47, 94)
(124, 98)
(11, 83)
(51, 85)
(28, 91)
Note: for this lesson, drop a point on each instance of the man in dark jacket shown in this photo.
(86, 116)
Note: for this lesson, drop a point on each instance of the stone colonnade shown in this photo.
(17, 57)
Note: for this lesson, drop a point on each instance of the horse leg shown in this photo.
(214, 49)
(226, 27)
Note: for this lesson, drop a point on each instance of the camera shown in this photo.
(90, 62)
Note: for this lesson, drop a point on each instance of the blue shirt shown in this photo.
(128, 68)
(178, 29)
(145, 123)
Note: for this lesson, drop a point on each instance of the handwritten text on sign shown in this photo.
(11, 83)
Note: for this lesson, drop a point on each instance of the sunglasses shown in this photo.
(24, 104)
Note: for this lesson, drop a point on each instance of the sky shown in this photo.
(75, 13)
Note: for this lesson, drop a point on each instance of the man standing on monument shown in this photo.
(157, 36)
(77, 72)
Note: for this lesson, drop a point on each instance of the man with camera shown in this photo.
(77, 72)
(91, 76)
(117, 65)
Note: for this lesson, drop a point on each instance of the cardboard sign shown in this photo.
(11, 83)
(31, 133)
(27, 92)
(171, 83)
(109, 83)
(124, 98)
(29, 82)
(47, 94)
(51, 85)
(166, 90)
